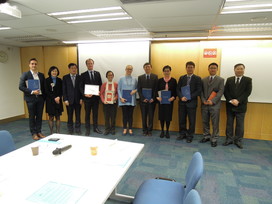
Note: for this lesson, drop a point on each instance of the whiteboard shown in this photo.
(114, 56)
(258, 66)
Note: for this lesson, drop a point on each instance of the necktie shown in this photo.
(92, 76)
(188, 80)
(237, 82)
(211, 78)
(73, 80)
(147, 77)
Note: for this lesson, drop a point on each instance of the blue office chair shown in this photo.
(6, 142)
(164, 191)
(192, 198)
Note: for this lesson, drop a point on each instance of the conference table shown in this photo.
(74, 176)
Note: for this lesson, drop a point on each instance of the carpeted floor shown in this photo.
(231, 175)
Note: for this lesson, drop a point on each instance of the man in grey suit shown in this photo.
(212, 91)
(147, 82)
(237, 90)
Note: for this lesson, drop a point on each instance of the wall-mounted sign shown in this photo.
(210, 53)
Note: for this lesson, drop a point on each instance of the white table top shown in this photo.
(21, 174)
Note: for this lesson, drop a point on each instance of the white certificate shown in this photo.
(91, 89)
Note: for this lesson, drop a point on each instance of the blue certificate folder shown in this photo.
(126, 95)
(147, 93)
(165, 95)
(33, 84)
(185, 90)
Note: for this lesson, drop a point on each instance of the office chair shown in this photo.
(162, 191)
(6, 142)
(192, 198)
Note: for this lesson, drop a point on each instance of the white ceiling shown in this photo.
(162, 18)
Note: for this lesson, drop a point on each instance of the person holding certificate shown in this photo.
(53, 90)
(188, 90)
(109, 96)
(89, 88)
(147, 89)
(127, 88)
(167, 87)
(34, 97)
(212, 91)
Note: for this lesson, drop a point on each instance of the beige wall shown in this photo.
(176, 54)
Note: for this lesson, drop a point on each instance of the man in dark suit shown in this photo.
(147, 82)
(237, 90)
(72, 98)
(188, 107)
(34, 98)
(212, 91)
(91, 102)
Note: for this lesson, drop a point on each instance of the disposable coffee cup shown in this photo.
(35, 150)
(93, 150)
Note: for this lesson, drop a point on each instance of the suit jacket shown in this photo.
(70, 93)
(52, 93)
(86, 79)
(207, 88)
(195, 89)
(241, 93)
(27, 92)
(152, 83)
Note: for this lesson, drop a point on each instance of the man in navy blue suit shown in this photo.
(34, 98)
(72, 98)
(91, 102)
(187, 107)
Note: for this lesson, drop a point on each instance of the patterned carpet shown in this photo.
(231, 175)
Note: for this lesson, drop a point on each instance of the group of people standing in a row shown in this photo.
(71, 89)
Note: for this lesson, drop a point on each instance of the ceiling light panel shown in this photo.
(249, 6)
(92, 15)
(256, 27)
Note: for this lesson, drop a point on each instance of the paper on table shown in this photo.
(53, 192)
(91, 89)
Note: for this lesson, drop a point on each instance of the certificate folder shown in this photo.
(185, 90)
(147, 93)
(33, 84)
(126, 95)
(165, 95)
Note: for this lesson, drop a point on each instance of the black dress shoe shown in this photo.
(227, 143)
(162, 134)
(213, 144)
(97, 131)
(204, 140)
(167, 135)
(181, 137)
(106, 132)
(189, 140)
(239, 145)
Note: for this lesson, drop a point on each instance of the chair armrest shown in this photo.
(168, 179)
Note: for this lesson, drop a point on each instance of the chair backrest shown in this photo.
(194, 172)
(6, 142)
(192, 198)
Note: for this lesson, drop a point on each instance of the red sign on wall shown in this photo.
(210, 53)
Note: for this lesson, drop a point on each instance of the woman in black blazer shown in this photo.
(166, 83)
(53, 89)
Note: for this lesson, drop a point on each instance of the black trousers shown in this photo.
(71, 109)
(237, 134)
(91, 106)
(127, 116)
(110, 111)
(185, 112)
(147, 110)
(35, 110)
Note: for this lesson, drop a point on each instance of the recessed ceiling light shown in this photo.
(100, 20)
(5, 28)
